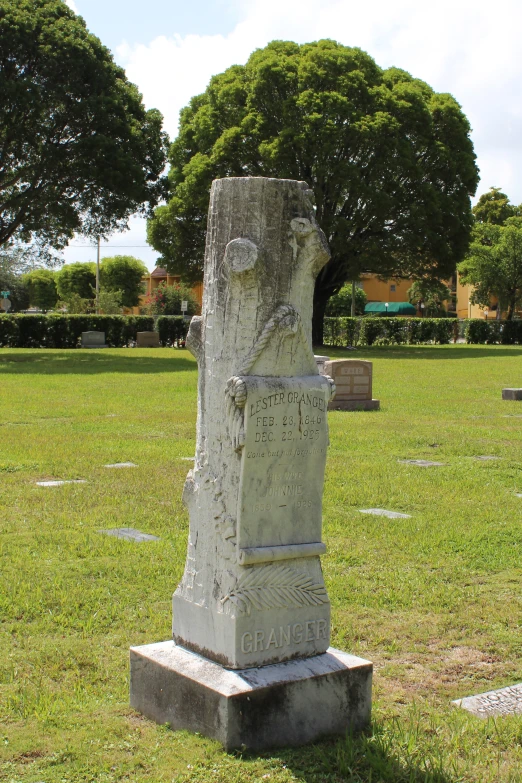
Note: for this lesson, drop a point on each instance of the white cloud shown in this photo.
(465, 47)
(462, 47)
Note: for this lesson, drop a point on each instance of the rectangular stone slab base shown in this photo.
(281, 704)
(354, 405)
(512, 394)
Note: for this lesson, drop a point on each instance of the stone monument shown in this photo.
(512, 394)
(250, 663)
(93, 340)
(353, 381)
(147, 340)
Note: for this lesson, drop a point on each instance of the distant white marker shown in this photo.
(121, 465)
(59, 483)
(382, 512)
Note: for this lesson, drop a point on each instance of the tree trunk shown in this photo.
(320, 301)
(510, 310)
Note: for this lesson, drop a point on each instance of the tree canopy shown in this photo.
(495, 207)
(432, 293)
(77, 279)
(340, 304)
(390, 161)
(78, 151)
(494, 265)
(41, 284)
(123, 274)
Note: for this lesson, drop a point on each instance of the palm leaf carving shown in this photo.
(275, 587)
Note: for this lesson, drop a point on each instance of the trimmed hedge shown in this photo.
(388, 331)
(64, 331)
(419, 331)
(171, 328)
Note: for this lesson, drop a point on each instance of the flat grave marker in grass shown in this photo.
(505, 701)
(121, 465)
(383, 512)
(60, 482)
(129, 534)
(422, 463)
(512, 394)
(486, 457)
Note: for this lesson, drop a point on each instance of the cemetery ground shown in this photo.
(433, 600)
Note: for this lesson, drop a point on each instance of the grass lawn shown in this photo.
(434, 601)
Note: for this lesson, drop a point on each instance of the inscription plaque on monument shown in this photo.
(353, 381)
(253, 593)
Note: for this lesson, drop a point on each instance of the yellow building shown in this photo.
(159, 275)
(397, 291)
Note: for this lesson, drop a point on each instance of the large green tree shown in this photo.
(77, 279)
(390, 161)
(41, 284)
(495, 207)
(78, 151)
(123, 274)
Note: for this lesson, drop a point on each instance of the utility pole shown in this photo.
(98, 276)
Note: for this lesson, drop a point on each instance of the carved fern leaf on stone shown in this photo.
(275, 587)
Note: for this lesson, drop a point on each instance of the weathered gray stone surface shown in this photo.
(129, 534)
(121, 465)
(486, 458)
(253, 595)
(282, 704)
(505, 701)
(147, 340)
(321, 361)
(421, 463)
(512, 394)
(382, 512)
(93, 340)
(255, 527)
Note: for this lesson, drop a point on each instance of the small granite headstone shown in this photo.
(147, 340)
(512, 394)
(505, 701)
(353, 384)
(93, 340)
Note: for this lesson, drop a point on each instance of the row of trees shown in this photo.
(73, 286)
(390, 161)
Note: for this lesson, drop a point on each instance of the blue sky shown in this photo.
(469, 48)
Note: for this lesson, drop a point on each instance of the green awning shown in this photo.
(394, 308)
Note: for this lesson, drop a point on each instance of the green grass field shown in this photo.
(434, 601)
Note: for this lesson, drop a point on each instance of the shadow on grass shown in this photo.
(92, 362)
(436, 352)
(377, 756)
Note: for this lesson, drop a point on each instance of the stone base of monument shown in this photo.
(512, 394)
(354, 405)
(281, 704)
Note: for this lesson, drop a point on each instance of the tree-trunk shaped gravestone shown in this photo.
(250, 663)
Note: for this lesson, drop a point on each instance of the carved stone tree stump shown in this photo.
(253, 593)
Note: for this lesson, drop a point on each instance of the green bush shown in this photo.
(64, 331)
